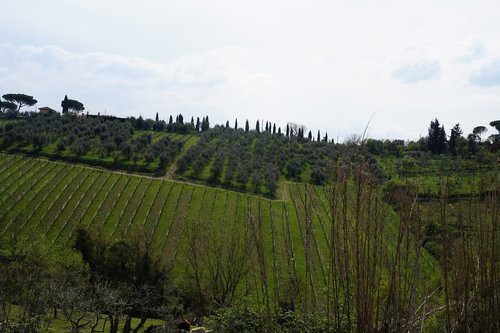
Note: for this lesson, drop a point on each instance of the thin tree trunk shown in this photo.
(126, 326)
(141, 324)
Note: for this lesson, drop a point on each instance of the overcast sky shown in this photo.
(329, 65)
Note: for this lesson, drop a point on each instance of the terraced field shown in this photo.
(289, 239)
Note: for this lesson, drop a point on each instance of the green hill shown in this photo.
(357, 235)
(55, 199)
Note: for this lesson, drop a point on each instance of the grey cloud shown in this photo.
(486, 76)
(420, 70)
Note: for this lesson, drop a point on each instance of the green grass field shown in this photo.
(55, 199)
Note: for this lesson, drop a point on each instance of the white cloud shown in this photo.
(416, 64)
(471, 50)
(419, 70)
(487, 75)
(128, 86)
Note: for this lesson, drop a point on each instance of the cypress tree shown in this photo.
(64, 105)
(456, 132)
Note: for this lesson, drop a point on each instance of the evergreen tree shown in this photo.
(21, 100)
(227, 124)
(310, 136)
(197, 124)
(156, 118)
(319, 137)
(267, 126)
(247, 126)
(442, 140)
(287, 131)
(65, 105)
(236, 124)
(279, 130)
(192, 121)
(180, 119)
(170, 120)
(257, 127)
(436, 140)
(456, 132)
(326, 137)
(205, 124)
(274, 128)
(478, 131)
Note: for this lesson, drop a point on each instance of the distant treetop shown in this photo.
(20, 100)
(71, 105)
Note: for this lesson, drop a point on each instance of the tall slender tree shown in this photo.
(64, 105)
(456, 132)
(197, 127)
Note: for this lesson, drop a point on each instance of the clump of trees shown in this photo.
(99, 140)
(96, 284)
(71, 105)
(254, 160)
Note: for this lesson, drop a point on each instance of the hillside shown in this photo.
(55, 199)
(333, 233)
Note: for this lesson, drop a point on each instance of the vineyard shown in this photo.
(285, 242)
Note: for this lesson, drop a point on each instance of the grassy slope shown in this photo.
(55, 199)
